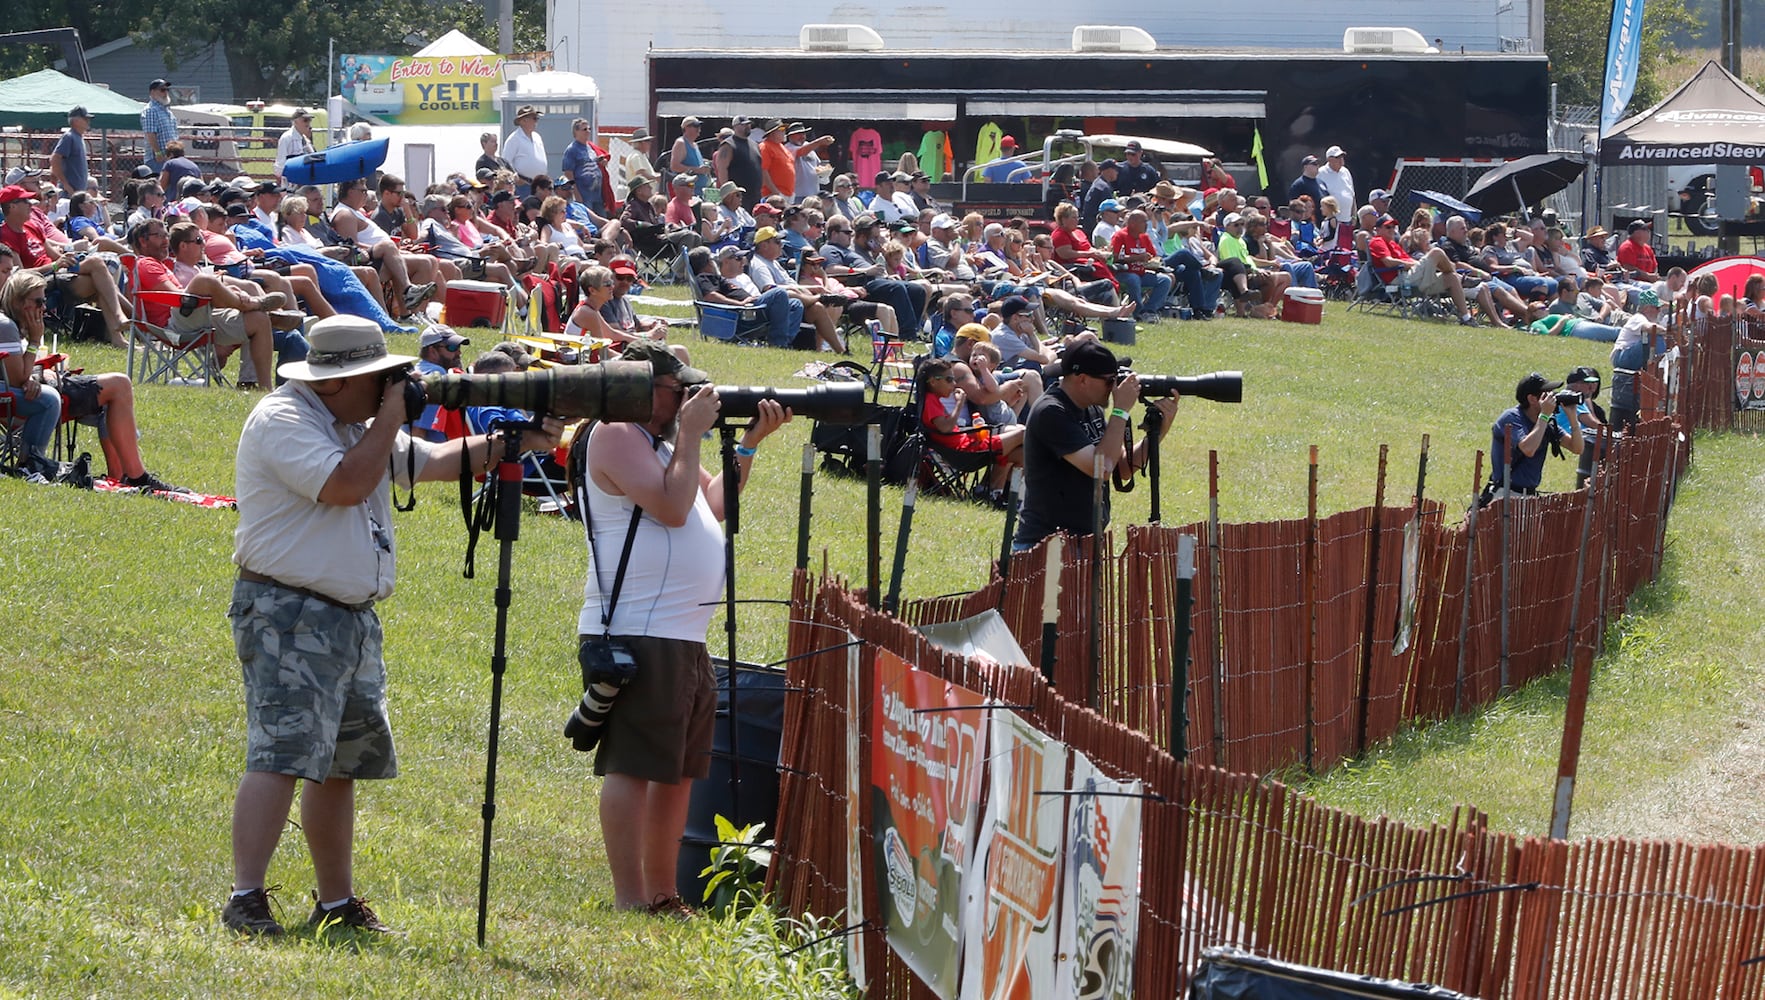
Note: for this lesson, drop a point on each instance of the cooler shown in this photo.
(1301, 305)
(474, 303)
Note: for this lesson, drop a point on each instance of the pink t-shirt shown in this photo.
(866, 147)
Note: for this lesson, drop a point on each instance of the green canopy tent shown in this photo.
(40, 102)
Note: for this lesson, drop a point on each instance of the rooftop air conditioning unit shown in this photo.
(839, 38)
(1111, 38)
(1386, 40)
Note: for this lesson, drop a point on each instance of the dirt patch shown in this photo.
(1715, 798)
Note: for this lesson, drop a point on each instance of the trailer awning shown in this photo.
(1122, 104)
(852, 108)
(901, 105)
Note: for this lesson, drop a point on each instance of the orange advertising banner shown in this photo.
(1014, 884)
(927, 760)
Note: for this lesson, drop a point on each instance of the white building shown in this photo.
(610, 42)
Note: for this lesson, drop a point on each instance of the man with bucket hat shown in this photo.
(314, 547)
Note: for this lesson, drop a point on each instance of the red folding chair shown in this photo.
(160, 354)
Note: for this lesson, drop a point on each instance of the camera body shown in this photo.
(605, 660)
(414, 399)
(1568, 399)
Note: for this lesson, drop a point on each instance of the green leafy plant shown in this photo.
(738, 868)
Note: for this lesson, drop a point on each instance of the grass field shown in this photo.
(122, 730)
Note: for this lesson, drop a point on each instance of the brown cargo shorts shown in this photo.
(660, 727)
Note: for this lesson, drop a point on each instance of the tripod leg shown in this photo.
(508, 530)
(731, 525)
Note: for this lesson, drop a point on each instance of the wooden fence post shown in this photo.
(1575, 710)
(1371, 620)
(1309, 586)
(1217, 642)
(1458, 687)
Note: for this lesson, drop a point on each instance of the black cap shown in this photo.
(1014, 305)
(78, 111)
(268, 187)
(1088, 357)
(1133, 146)
(1583, 374)
(885, 175)
(1636, 224)
(161, 84)
(141, 172)
(237, 210)
(190, 185)
(1533, 385)
(1108, 165)
(501, 196)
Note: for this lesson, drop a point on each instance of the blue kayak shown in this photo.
(340, 163)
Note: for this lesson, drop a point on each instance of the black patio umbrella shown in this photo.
(1525, 181)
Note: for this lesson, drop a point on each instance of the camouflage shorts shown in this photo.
(315, 686)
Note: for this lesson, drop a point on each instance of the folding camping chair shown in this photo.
(159, 354)
(64, 447)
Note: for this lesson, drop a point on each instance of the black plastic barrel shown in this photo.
(753, 784)
(1118, 331)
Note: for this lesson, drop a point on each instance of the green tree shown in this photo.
(97, 23)
(1575, 36)
(278, 51)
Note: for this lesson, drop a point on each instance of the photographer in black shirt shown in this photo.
(1066, 429)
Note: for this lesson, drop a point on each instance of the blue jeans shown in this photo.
(40, 417)
(1589, 330)
(1202, 291)
(908, 301)
(290, 346)
(784, 316)
(1304, 275)
(1149, 291)
(1529, 284)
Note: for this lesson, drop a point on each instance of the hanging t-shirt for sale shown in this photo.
(987, 148)
(931, 155)
(866, 146)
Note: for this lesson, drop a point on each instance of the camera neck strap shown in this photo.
(611, 597)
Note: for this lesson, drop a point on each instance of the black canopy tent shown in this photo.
(1712, 118)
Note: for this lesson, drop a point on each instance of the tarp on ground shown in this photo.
(40, 102)
(1712, 118)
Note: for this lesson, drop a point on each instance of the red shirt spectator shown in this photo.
(28, 242)
(1383, 246)
(682, 211)
(1123, 243)
(152, 275)
(1639, 257)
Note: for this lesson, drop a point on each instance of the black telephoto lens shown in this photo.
(832, 404)
(1218, 387)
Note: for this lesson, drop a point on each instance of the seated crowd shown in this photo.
(763, 223)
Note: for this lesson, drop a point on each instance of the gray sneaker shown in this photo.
(354, 914)
(250, 914)
(416, 295)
